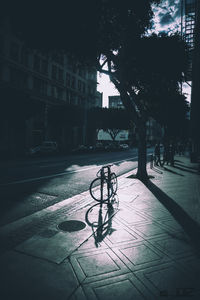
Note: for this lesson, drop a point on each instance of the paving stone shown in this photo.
(167, 281)
(150, 230)
(25, 277)
(130, 217)
(57, 246)
(173, 246)
(140, 255)
(120, 287)
(97, 266)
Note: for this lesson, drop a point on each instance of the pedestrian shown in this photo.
(157, 154)
(166, 154)
(171, 154)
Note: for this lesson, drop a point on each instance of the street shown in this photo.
(32, 185)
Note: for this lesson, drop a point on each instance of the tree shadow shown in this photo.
(173, 172)
(191, 227)
(101, 223)
(156, 170)
(186, 168)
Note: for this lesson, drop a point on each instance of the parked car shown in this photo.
(80, 149)
(47, 147)
(123, 146)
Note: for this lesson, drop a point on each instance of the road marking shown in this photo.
(63, 173)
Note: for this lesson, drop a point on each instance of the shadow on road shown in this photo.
(191, 227)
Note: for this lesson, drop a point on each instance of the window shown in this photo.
(67, 96)
(68, 80)
(44, 66)
(73, 82)
(84, 88)
(79, 85)
(25, 57)
(53, 91)
(60, 74)
(54, 72)
(18, 78)
(58, 57)
(36, 63)
(40, 86)
(14, 51)
(59, 92)
(1, 44)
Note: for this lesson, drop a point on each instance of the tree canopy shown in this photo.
(111, 36)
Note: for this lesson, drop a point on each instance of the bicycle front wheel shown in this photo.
(98, 192)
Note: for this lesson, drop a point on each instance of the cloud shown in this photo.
(167, 15)
(166, 19)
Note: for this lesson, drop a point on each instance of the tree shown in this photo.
(109, 34)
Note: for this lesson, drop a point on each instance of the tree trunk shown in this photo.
(142, 157)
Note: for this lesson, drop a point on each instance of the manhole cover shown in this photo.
(72, 225)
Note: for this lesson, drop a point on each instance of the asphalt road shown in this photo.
(28, 186)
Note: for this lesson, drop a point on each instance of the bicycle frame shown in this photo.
(105, 174)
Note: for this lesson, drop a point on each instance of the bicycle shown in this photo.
(105, 185)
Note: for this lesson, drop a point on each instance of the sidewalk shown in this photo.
(146, 246)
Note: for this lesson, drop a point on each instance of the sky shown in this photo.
(167, 18)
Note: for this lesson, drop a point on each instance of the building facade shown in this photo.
(115, 102)
(44, 96)
(98, 99)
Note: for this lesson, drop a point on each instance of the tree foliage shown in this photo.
(110, 35)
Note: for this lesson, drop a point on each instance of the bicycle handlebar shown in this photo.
(108, 166)
(104, 167)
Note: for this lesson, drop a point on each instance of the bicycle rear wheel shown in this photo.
(95, 190)
(114, 183)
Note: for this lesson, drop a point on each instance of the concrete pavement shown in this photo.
(145, 246)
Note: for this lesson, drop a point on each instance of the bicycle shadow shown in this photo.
(99, 217)
(191, 227)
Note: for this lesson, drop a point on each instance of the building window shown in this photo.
(44, 66)
(36, 63)
(60, 74)
(73, 82)
(73, 98)
(59, 93)
(58, 58)
(68, 80)
(18, 78)
(79, 85)
(25, 57)
(14, 51)
(67, 96)
(54, 72)
(84, 87)
(1, 44)
(40, 86)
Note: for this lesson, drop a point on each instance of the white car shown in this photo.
(123, 146)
